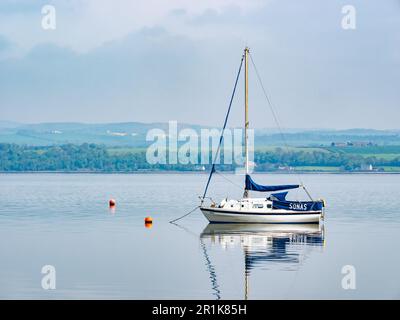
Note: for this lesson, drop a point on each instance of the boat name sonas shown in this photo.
(298, 206)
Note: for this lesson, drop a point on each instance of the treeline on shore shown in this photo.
(98, 158)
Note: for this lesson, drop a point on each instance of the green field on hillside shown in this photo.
(386, 156)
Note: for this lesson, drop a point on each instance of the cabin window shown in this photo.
(269, 206)
(258, 206)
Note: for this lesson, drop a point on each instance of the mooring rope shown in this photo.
(211, 270)
(185, 215)
(210, 267)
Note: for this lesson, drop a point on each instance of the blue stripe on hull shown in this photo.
(261, 213)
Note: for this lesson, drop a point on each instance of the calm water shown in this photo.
(63, 220)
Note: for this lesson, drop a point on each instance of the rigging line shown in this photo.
(308, 194)
(223, 130)
(193, 210)
(276, 120)
(269, 103)
(233, 183)
(219, 145)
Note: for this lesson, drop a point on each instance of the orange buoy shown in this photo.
(112, 202)
(148, 225)
(148, 220)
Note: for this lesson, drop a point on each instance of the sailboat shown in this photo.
(273, 208)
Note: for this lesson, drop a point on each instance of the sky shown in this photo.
(157, 60)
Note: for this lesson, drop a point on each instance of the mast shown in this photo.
(246, 113)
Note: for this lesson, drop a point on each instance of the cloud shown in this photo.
(145, 70)
(7, 48)
(18, 6)
(85, 24)
(179, 63)
(5, 44)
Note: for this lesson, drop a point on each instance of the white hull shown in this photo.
(216, 215)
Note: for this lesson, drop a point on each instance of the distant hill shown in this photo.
(8, 124)
(133, 134)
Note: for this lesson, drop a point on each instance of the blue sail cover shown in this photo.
(280, 196)
(251, 185)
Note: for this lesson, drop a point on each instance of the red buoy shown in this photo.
(148, 222)
(112, 202)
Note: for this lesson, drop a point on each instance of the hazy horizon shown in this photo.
(11, 122)
(156, 62)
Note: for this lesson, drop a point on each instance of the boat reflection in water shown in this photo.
(263, 245)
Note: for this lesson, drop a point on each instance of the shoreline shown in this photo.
(196, 172)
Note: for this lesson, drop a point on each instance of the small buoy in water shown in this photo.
(112, 202)
(148, 225)
(148, 220)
